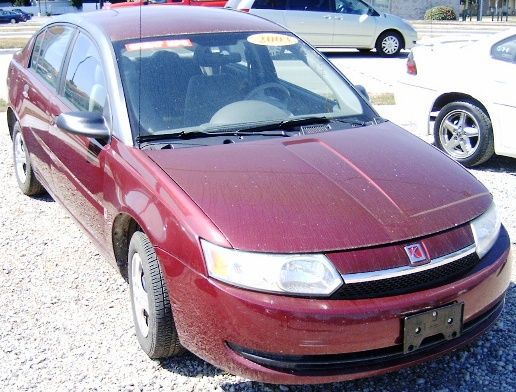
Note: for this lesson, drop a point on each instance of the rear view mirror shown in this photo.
(361, 89)
(89, 124)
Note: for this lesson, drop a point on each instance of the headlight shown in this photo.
(485, 230)
(278, 273)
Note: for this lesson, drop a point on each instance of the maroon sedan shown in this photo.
(266, 218)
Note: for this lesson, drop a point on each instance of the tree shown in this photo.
(76, 3)
(20, 3)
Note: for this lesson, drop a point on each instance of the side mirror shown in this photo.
(363, 92)
(87, 124)
(373, 12)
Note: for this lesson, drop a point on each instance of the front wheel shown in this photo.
(389, 44)
(464, 131)
(150, 303)
(13, 21)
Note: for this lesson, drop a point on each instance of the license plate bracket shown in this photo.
(446, 320)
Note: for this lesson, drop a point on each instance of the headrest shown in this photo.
(204, 57)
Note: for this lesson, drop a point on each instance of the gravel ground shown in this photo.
(65, 323)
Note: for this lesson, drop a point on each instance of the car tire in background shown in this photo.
(464, 131)
(389, 44)
(13, 21)
(150, 303)
(27, 181)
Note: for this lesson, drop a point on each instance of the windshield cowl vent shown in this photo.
(317, 128)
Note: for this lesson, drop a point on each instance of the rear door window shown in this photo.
(85, 83)
(36, 50)
(53, 49)
(269, 4)
(505, 50)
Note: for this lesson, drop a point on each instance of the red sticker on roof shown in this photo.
(163, 44)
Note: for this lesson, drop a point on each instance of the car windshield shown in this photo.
(222, 81)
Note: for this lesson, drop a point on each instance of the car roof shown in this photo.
(159, 20)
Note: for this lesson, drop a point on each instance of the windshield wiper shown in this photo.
(193, 134)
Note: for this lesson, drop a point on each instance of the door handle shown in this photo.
(25, 92)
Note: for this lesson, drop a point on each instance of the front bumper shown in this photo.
(279, 339)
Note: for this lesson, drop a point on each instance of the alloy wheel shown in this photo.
(459, 134)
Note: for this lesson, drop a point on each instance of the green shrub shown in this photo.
(440, 13)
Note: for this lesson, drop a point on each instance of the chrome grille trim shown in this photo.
(361, 277)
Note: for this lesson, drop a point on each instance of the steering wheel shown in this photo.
(271, 92)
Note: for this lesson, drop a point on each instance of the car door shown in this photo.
(355, 24)
(79, 161)
(502, 77)
(312, 20)
(39, 86)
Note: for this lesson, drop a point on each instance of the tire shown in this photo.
(389, 44)
(464, 131)
(150, 303)
(25, 177)
(13, 21)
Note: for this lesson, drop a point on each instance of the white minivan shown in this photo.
(336, 23)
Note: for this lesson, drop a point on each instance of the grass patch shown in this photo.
(3, 105)
(382, 99)
(13, 43)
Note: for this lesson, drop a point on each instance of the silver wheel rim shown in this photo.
(459, 134)
(20, 158)
(140, 299)
(390, 44)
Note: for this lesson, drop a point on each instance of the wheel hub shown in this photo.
(139, 294)
(20, 158)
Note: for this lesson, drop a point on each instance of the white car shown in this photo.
(464, 96)
(336, 23)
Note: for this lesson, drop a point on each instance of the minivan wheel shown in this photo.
(13, 21)
(389, 44)
(150, 303)
(27, 181)
(464, 131)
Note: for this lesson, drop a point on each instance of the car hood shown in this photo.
(332, 191)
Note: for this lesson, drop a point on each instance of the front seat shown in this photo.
(209, 92)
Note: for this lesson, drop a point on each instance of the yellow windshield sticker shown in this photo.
(272, 39)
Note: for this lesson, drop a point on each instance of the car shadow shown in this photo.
(498, 164)
(43, 197)
(189, 365)
(433, 375)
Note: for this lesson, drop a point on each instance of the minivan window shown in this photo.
(354, 7)
(53, 50)
(85, 83)
(309, 5)
(270, 4)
